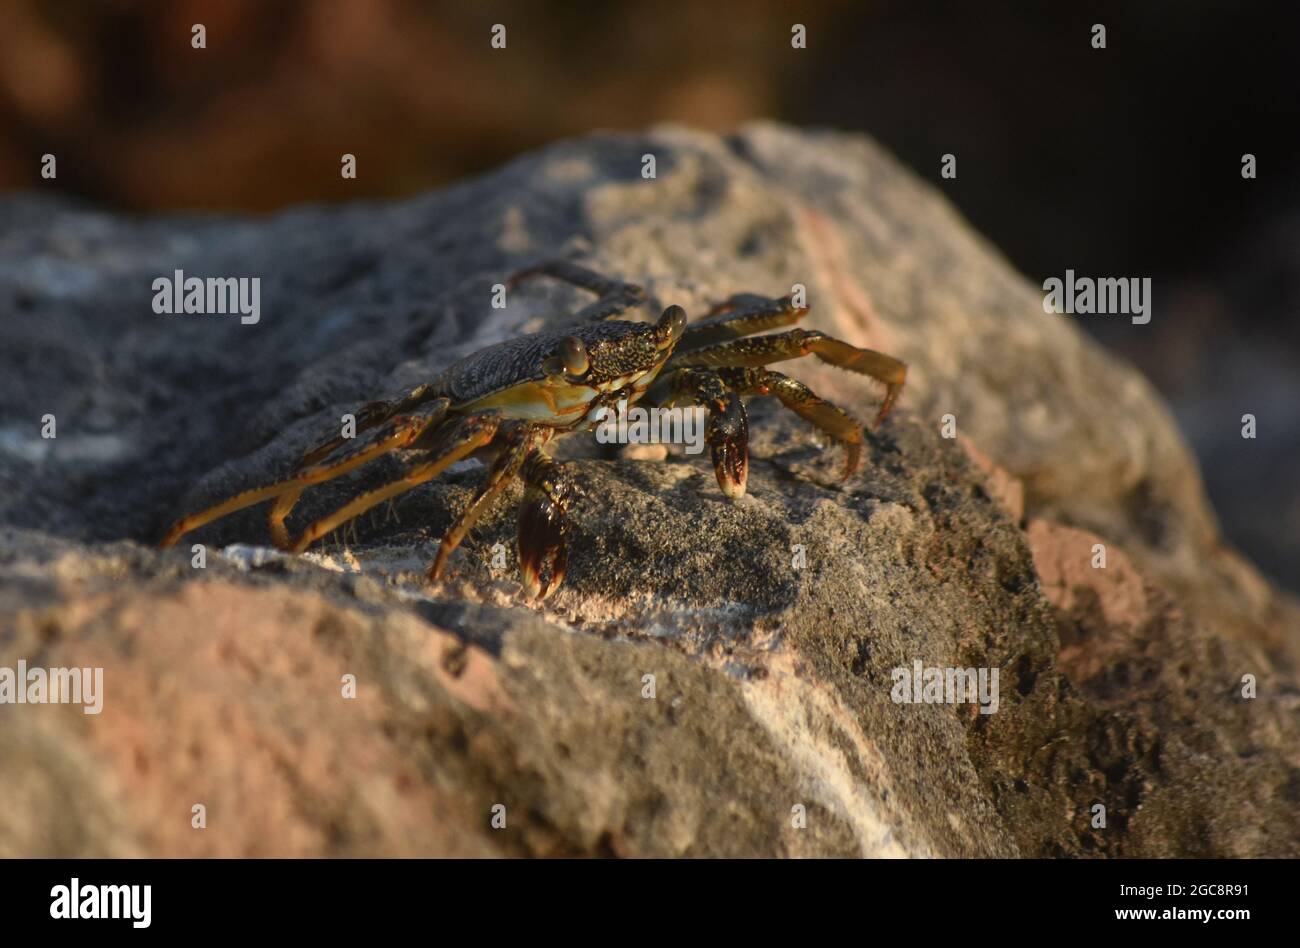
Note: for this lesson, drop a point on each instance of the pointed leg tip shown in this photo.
(280, 537)
(732, 489)
(439, 564)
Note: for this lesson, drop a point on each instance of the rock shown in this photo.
(771, 627)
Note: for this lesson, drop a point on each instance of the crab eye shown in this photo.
(670, 326)
(574, 356)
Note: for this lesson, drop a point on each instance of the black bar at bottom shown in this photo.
(305, 897)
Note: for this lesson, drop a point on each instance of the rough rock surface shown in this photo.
(1119, 686)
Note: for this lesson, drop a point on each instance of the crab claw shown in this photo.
(728, 437)
(543, 553)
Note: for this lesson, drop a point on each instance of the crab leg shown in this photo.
(520, 442)
(741, 315)
(764, 350)
(455, 442)
(402, 433)
(284, 503)
(800, 399)
(543, 524)
(727, 431)
(615, 296)
(376, 413)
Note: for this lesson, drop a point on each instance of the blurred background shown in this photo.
(1117, 162)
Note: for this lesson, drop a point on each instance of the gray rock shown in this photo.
(1119, 687)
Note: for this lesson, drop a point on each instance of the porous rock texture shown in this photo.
(1120, 686)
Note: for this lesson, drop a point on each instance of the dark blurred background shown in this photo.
(1117, 162)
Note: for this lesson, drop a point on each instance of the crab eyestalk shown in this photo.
(571, 360)
(670, 327)
(728, 436)
(543, 527)
(573, 353)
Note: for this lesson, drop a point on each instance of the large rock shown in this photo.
(1120, 686)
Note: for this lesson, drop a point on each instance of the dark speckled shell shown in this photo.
(614, 346)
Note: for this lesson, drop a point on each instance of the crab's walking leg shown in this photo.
(727, 430)
(800, 399)
(742, 315)
(402, 433)
(615, 296)
(519, 443)
(284, 502)
(276, 516)
(376, 413)
(543, 524)
(763, 350)
(454, 442)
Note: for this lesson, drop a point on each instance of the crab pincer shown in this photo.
(544, 527)
(727, 434)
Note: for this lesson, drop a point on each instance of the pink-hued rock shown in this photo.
(714, 678)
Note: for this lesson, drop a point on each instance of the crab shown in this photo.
(506, 402)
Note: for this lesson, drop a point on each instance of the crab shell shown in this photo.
(524, 379)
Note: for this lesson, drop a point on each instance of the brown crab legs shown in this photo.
(548, 491)
(507, 401)
(718, 361)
